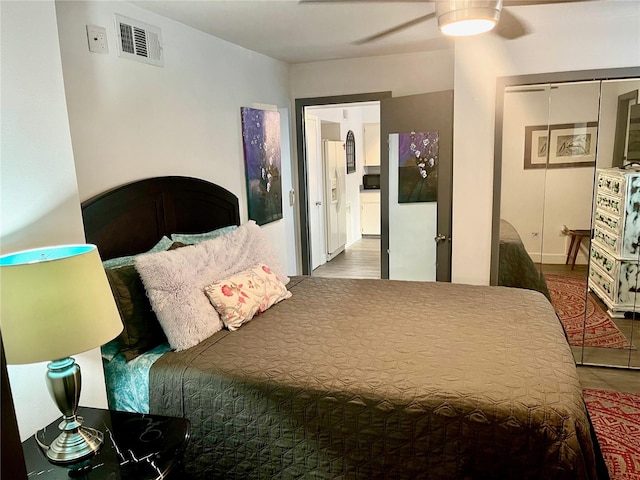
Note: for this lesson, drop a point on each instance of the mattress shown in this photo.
(515, 268)
(371, 379)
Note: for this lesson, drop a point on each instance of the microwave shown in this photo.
(371, 181)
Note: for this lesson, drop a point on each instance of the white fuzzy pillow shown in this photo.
(175, 280)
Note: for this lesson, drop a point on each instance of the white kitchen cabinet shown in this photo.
(370, 212)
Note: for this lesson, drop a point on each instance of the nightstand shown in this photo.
(136, 447)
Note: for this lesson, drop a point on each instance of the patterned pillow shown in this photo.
(238, 298)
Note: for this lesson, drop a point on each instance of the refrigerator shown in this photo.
(335, 171)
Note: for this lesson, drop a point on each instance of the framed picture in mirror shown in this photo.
(573, 145)
(567, 145)
(536, 146)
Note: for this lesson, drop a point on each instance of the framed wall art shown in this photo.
(262, 160)
(418, 167)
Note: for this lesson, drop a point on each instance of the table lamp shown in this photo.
(56, 302)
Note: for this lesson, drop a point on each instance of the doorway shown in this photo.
(344, 209)
(418, 231)
(310, 178)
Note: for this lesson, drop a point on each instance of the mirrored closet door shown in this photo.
(565, 211)
(615, 246)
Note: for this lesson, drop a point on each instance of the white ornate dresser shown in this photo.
(615, 247)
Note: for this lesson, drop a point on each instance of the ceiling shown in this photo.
(297, 32)
(304, 32)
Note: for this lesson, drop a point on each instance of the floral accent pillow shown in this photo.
(238, 298)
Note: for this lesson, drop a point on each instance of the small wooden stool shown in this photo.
(574, 246)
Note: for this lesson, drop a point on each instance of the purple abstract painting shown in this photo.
(418, 167)
(262, 160)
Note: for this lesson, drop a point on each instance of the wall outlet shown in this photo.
(97, 37)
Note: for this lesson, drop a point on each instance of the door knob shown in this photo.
(440, 238)
(318, 204)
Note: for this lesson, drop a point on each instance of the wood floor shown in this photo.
(362, 260)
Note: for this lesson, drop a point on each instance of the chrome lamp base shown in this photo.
(76, 442)
(74, 445)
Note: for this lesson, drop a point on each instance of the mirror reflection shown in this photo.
(615, 250)
(570, 209)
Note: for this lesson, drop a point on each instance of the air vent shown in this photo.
(139, 41)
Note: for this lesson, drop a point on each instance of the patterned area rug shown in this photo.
(616, 420)
(567, 297)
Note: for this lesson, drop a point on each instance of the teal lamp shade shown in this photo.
(56, 302)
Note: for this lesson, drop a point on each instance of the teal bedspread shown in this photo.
(128, 382)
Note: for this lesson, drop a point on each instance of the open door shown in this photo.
(416, 236)
(315, 191)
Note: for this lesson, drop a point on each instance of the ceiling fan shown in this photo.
(462, 17)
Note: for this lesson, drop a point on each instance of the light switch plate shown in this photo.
(97, 37)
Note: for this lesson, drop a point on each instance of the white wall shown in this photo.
(40, 204)
(131, 120)
(405, 74)
(601, 35)
(288, 208)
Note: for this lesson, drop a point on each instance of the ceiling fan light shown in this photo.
(467, 17)
(466, 28)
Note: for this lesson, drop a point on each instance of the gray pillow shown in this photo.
(175, 280)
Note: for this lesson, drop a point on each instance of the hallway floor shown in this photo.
(360, 260)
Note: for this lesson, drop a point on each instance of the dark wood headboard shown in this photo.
(132, 218)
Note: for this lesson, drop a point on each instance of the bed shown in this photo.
(516, 269)
(358, 379)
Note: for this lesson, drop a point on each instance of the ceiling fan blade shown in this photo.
(510, 26)
(518, 3)
(365, 1)
(395, 29)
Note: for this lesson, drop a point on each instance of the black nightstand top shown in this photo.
(136, 447)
